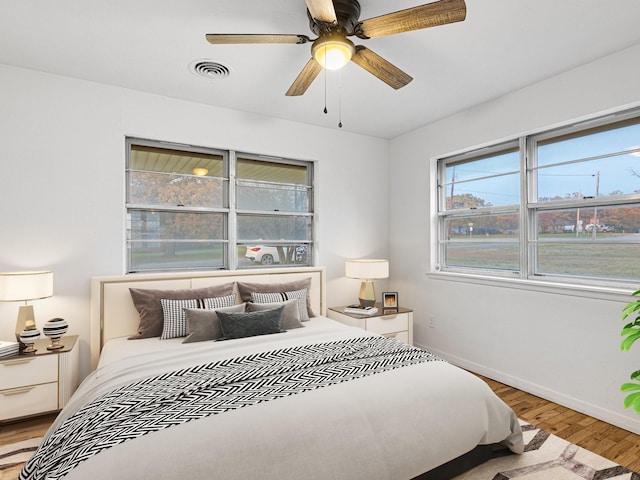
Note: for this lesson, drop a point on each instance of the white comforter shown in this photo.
(392, 425)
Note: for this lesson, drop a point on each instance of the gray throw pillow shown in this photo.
(290, 315)
(147, 302)
(246, 289)
(240, 325)
(203, 325)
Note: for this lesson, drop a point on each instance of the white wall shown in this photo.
(562, 347)
(62, 182)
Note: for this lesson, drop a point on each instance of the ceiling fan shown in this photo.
(335, 20)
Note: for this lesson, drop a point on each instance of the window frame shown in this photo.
(529, 207)
(229, 210)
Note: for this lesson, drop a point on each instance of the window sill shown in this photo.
(609, 293)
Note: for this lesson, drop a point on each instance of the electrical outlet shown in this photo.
(432, 321)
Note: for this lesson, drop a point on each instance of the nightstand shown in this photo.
(40, 382)
(394, 325)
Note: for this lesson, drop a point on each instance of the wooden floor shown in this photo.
(611, 442)
(19, 431)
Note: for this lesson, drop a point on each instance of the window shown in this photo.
(274, 211)
(560, 205)
(194, 208)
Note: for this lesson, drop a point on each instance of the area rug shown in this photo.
(13, 456)
(547, 457)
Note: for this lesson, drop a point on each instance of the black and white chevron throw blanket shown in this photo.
(162, 401)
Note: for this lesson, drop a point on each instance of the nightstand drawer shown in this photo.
(396, 325)
(388, 323)
(29, 400)
(28, 370)
(400, 336)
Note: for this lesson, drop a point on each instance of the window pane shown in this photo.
(170, 177)
(621, 224)
(604, 177)
(163, 189)
(272, 172)
(265, 196)
(272, 227)
(570, 243)
(167, 160)
(605, 163)
(183, 255)
(160, 240)
(488, 181)
(299, 254)
(485, 226)
(605, 140)
(176, 225)
(489, 241)
(272, 186)
(592, 259)
(495, 256)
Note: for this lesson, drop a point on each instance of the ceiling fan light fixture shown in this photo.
(333, 52)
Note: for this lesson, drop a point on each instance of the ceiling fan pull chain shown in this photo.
(325, 82)
(340, 99)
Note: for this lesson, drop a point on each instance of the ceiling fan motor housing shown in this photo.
(347, 13)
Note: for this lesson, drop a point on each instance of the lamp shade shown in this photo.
(23, 286)
(367, 268)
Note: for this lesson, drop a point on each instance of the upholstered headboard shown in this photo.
(114, 315)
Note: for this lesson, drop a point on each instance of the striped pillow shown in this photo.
(175, 320)
(299, 295)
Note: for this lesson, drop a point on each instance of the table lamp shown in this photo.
(22, 287)
(367, 269)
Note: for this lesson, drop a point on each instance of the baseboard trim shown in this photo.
(605, 415)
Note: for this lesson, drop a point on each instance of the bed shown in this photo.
(316, 400)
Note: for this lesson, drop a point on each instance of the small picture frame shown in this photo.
(390, 301)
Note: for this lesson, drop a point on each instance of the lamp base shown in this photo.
(367, 295)
(55, 344)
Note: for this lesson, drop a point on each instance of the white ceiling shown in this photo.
(148, 45)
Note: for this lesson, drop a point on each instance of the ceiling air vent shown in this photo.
(209, 69)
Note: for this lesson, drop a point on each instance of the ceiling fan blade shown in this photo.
(415, 18)
(378, 66)
(304, 80)
(322, 10)
(232, 38)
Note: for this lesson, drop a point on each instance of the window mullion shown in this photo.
(232, 220)
(528, 187)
